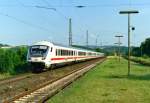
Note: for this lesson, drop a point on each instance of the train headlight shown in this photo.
(43, 58)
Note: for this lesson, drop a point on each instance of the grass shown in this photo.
(108, 83)
(141, 60)
(4, 75)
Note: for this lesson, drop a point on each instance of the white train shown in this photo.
(44, 54)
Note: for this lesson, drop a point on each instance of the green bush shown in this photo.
(145, 56)
(140, 60)
(13, 60)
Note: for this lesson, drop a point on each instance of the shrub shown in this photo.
(13, 60)
(140, 60)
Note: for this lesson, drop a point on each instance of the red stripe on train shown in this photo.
(66, 58)
(57, 58)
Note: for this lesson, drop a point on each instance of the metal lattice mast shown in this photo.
(70, 32)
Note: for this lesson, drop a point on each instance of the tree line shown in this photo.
(13, 60)
(143, 50)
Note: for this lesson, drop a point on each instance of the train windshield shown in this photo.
(38, 51)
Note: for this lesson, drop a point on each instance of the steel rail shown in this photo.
(21, 97)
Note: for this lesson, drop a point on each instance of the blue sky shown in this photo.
(22, 23)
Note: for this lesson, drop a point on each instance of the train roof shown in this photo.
(43, 43)
(59, 45)
(71, 47)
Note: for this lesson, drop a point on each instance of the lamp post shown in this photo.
(119, 43)
(128, 13)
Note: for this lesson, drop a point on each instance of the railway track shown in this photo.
(50, 86)
(14, 79)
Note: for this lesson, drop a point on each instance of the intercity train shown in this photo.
(44, 55)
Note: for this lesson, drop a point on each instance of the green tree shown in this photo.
(13, 60)
(136, 51)
(145, 47)
(98, 50)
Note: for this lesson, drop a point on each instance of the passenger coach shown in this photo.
(44, 54)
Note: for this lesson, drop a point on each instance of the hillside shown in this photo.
(109, 50)
(4, 45)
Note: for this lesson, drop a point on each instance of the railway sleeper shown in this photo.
(46, 92)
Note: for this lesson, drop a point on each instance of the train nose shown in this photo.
(38, 59)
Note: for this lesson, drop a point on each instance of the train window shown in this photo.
(74, 53)
(67, 52)
(59, 52)
(81, 53)
(38, 50)
(56, 52)
(62, 52)
(51, 49)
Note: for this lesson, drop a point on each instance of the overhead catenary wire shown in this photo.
(87, 6)
(93, 35)
(62, 15)
(48, 4)
(36, 6)
(89, 28)
(42, 7)
(24, 22)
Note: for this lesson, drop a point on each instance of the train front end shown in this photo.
(38, 57)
